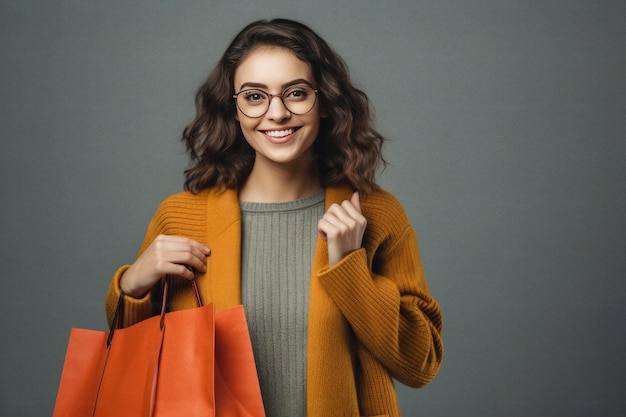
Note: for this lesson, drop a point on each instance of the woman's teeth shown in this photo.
(279, 133)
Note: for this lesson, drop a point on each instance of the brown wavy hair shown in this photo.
(348, 150)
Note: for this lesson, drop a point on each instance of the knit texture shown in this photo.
(278, 241)
(371, 317)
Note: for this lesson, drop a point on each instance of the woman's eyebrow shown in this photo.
(252, 85)
(284, 86)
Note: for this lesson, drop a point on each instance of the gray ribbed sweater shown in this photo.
(278, 242)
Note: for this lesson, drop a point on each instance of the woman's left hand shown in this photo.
(342, 227)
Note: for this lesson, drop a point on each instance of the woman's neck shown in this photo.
(279, 183)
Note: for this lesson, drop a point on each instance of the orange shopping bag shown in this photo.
(167, 365)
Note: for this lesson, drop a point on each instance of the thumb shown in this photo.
(356, 202)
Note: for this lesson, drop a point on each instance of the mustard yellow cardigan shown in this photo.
(371, 316)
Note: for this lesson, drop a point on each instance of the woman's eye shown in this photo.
(297, 94)
(254, 96)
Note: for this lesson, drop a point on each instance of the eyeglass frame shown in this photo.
(271, 97)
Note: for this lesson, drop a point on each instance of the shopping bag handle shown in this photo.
(194, 285)
(196, 293)
(117, 320)
(119, 309)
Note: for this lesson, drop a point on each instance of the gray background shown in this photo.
(507, 121)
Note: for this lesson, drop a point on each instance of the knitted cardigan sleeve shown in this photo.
(382, 292)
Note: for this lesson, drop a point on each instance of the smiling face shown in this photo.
(279, 136)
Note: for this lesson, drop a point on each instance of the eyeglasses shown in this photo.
(298, 99)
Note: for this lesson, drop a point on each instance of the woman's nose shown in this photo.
(277, 109)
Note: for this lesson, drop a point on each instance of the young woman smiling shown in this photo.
(282, 214)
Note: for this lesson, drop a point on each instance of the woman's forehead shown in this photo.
(272, 67)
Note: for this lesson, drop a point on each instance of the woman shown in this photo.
(282, 214)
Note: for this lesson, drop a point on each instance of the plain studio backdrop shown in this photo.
(506, 122)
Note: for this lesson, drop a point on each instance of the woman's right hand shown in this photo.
(166, 255)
